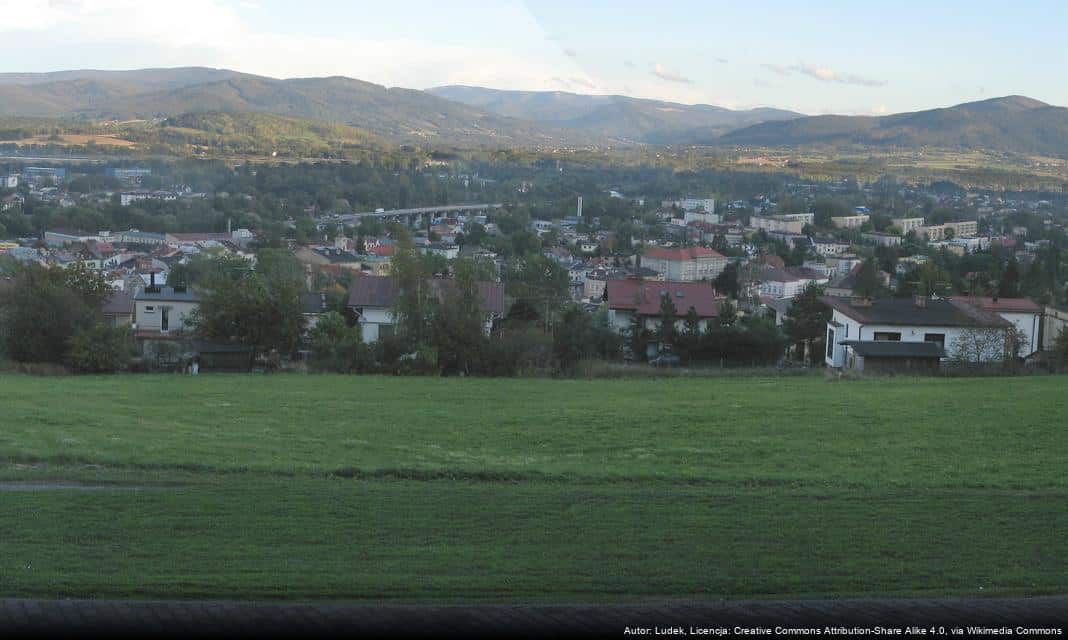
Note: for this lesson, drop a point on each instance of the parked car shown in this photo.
(666, 360)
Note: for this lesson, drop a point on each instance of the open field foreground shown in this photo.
(424, 489)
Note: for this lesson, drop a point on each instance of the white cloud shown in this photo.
(829, 75)
(671, 76)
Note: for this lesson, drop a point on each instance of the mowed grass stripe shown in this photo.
(902, 432)
(249, 536)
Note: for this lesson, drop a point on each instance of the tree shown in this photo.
(45, 307)
(457, 322)
(728, 314)
(978, 345)
(412, 311)
(806, 321)
(726, 283)
(259, 306)
(637, 336)
(337, 347)
(867, 278)
(668, 313)
(1009, 286)
(572, 338)
(1060, 348)
(101, 349)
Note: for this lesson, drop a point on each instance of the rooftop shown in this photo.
(643, 296)
(937, 312)
(682, 253)
(167, 294)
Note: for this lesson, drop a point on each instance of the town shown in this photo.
(567, 268)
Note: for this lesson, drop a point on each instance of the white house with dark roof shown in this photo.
(161, 312)
(944, 322)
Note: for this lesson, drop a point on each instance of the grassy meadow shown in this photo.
(416, 489)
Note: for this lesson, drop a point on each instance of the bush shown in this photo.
(101, 349)
(337, 347)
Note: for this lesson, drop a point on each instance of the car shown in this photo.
(666, 360)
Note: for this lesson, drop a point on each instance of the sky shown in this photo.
(851, 57)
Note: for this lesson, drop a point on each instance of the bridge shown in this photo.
(412, 217)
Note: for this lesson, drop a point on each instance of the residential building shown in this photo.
(850, 222)
(38, 174)
(690, 203)
(955, 229)
(635, 298)
(829, 246)
(700, 215)
(129, 175)
(846, 285)
(781, 224)
(9, 181)
(786, 282)
(907, 224)
(685, 264)
(12, 201)
(163, 311)
(371, 301)
(1023, 313)
(855, 323)
(118, 310)
(882, 239)
(1055, 320)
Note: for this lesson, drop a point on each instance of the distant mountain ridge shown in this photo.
(1011, 123)
(400, 115)
(613, 116)
(476, 116)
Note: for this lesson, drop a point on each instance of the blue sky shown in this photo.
(816, 57)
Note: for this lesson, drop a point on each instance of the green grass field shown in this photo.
(331, 487)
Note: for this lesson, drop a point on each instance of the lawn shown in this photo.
(336, 487)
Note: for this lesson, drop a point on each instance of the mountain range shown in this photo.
(613, 116)
(477, 116)
(1012, 123)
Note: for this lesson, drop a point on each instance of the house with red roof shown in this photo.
(685, 264)
(642, 298)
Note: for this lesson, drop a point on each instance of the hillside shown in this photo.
(202, 133)
(400, 115)
(1013, 123)
(622, 117)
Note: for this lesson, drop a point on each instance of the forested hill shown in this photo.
(621, 117)
(400, 115)
(1013, 123)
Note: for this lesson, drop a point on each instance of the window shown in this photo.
(887, 336)
(150, 309)
(830, 343)
(939, 338)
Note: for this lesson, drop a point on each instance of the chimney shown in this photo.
(921, 301)
(579, 209)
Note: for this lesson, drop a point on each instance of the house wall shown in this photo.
(620, 319)
(371, 322)
(853, 330)
(1030, 324)
(151, 321)
(1054, 321)
(375, 322)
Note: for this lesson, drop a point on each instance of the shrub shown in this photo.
(101, 349)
